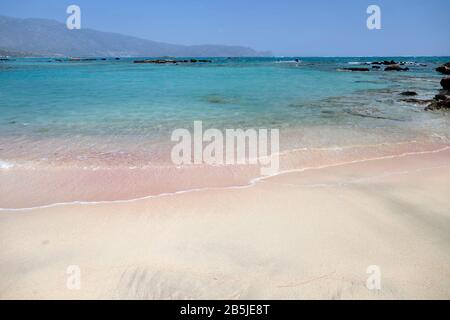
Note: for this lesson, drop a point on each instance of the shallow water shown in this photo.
(119, 112)
(100, 130)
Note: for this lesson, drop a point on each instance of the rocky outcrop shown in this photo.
(155, 61)
(440, 97)
(169, 61)
(445, 83)
(82, 59)
(386, 63)
(198, 60)
(395, 67)
(75, 59)
(441, 100)
(439, 105)
(357, 69)
(443, 69)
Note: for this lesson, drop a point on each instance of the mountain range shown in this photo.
(49, 38)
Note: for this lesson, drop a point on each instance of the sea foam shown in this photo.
(5, 165)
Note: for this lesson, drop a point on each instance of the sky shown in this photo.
(284, 27)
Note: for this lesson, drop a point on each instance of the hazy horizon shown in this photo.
(287, 28)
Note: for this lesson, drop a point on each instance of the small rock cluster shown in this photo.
(79, 59)
(170, 61)
(389, 66)
(441, 101)
(444, 69)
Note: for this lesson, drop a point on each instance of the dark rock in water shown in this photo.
(376, 67)
(365, 114)
(440, 97)
(168, 61)
(447, 64)
(216, 99)
(75, 59)
(199, 60)
(439, 105)
(395, 67)
(416, 101)
(103, 59)
(409, 93)
(443, 69)
(155, 61)
(81, 59)
(357, 69)
(117, 58)
(385, 62)
(445, 83)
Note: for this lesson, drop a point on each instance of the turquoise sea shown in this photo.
(115, 109)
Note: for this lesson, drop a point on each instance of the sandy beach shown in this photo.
(225, 151)
(306, 234)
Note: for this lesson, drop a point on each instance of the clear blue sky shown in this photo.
(285, 27)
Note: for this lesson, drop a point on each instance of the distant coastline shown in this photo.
(49, 38)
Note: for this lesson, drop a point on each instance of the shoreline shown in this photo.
(250, 174)
(300, 235)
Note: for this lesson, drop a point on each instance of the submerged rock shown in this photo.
(416, 101)
(409, 93)
(370, 114)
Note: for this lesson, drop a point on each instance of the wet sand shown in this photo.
(305, 234)
(32, 184)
